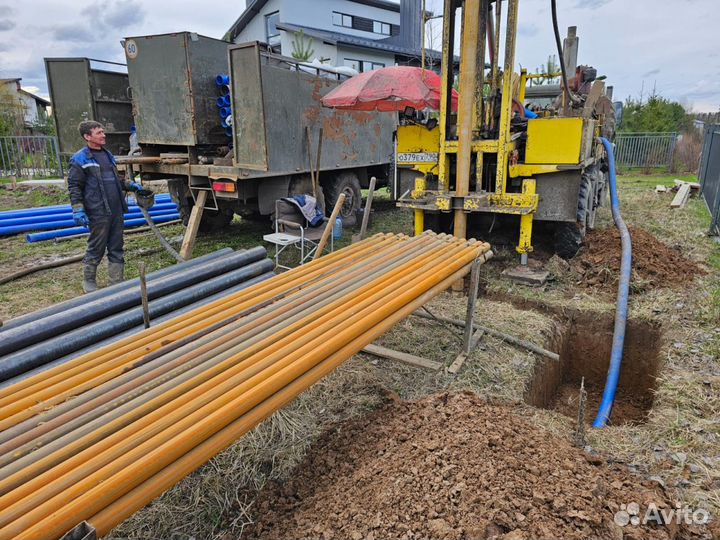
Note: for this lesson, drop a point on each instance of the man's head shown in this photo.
(93, 133)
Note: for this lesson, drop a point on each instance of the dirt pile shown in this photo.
(654, 264)
(453, 466)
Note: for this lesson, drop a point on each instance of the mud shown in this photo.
(655, 264)
(454, 466)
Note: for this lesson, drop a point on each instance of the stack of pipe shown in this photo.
(224, 103)
(100, 436)
(53, 335)
(58, 221)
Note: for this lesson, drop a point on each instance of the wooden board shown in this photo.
(660, 188)
(196, 213)
(693, 185)
(681, 197)
(407, 358)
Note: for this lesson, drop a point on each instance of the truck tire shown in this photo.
(345, 182)
(569, 237)
(214, 220)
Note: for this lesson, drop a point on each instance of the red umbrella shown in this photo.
(389, 89)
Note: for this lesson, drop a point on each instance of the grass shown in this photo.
(217, 500)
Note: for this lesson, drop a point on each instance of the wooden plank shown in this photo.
(329, 227)
(681, 197)
(410, 359)
(465, 354)
(366, 212)
(188, 243)
(660, 188)
(693, 185)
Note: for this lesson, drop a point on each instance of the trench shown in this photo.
(584, 344)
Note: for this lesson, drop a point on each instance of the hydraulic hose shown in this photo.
(163, 242)
(561, 58)
(621, 310)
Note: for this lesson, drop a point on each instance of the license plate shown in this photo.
(417, 157)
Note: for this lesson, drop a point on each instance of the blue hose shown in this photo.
(621, 310)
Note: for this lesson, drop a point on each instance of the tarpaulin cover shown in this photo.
(389, 89)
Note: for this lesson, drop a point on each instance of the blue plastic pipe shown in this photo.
(621, 310)
(63, 208)
(35, 220)
(222, 79)
(64, 222)
(49, 235)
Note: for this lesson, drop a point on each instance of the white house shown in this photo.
(35, 108)
(362, 34)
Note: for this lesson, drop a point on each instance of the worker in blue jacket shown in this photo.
(98, 202)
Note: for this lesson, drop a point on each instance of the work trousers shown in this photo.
(106, 234)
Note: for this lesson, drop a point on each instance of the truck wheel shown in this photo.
(213, 220)
(569, 236)
(346, 182)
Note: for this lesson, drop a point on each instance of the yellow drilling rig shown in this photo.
(495, 156)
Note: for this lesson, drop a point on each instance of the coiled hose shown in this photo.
(621, 310)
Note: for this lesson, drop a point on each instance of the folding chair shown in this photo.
(293, 229)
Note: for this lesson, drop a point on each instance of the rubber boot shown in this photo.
(116, 273)
(89, 283)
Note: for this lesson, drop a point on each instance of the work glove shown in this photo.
(135, 187)
(80, 217)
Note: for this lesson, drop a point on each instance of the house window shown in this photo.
(340, 19)
(381, 28)
(362, 66)
(364, 24)
(271, 31)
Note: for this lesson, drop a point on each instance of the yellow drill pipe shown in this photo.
(126, 351)
(124, 387)
(105, 520)
(291, 368)
(49, 480)
(213, 350)
(77, 365)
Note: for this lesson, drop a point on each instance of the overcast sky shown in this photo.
(672, 45)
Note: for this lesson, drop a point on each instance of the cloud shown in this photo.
(4, 47)
(7, 10)
(651, 72)
(6, 24)
(591, 4)
(73, 32)
(123, 14)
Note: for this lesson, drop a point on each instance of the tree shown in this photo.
(658, 114)
(302, 50)
(12, 113)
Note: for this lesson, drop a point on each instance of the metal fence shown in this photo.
(649, 150)
(709, 175)
(30, 157)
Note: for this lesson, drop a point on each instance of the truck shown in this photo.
(282, 141)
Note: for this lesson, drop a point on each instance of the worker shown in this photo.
(98, 202)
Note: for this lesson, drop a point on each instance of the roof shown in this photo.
(335, 38)
(5, 81)
(254, 7)
(36, 97)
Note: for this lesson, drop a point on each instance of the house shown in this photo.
(35, 108)
(362, 34)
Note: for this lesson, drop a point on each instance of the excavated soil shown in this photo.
(654, 264)
(454, 466)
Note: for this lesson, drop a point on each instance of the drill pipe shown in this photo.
(83, 373)
(107, 291)
(63, 422)
(68, 447)
(57, 346)
(22, 336)
(91, 402)
(282, 370)
(108, 518)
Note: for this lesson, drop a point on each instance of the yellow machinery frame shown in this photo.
(429, 151)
